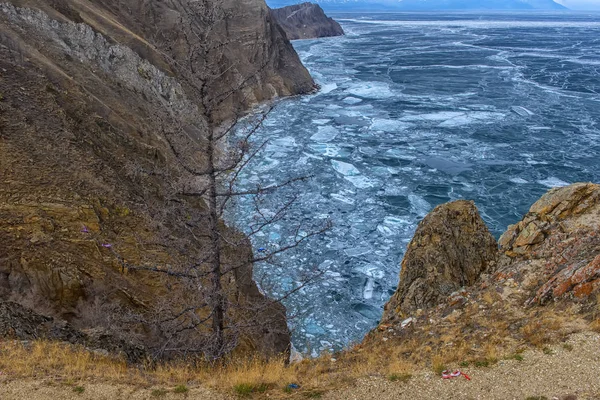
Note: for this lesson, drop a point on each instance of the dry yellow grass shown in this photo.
(432, 347)
(595, 325)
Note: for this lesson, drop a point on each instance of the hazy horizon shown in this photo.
(339, 5)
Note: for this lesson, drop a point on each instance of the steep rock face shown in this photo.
(556, 246)
(451, 248)
(18, 322)
(306, 21)
(90, 185)
(250, 44)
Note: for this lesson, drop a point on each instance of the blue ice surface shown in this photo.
(414, 111)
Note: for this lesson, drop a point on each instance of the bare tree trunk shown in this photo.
(218, 301)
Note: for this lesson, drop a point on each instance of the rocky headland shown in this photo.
(306, 21)
(98, 102)
(461, 295)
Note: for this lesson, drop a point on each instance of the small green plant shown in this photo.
(246, 389)
(548, 350)
(79, 389)
(1, 96)
(144, 73)
(464, 364)
(399, 377)
(516, 356)
(482, 363)
(567, 346)
(180, 389)
(536, 398)
(158, 393)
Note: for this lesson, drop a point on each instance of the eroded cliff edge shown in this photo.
(89, 182)
(306, 21)
(461, 297)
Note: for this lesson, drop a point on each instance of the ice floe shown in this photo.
(325, 134)
(390, 125)
(352, 100)
(345, 168)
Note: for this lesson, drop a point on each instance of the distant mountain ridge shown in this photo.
(426, 5)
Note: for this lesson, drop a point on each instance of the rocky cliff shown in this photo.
(97, 99)
(451, 248)
(462, 295)
(306, 21)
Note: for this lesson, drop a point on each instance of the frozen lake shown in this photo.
(417, 110)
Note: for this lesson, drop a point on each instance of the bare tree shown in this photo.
(211, 155)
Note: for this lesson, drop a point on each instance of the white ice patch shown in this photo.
(360, 182)
(352, 100)
(553, 182)
(399, 154)
(320, 121)
(327, 150)
(342, 198)
(391, 225)
(450, 119)
(325, 134)
(439, 116)
(419, 204)
(328, 88)
(389, 125)
(371, 90)
(371, 271)
(519, 181)
(369, 289)
(283, 144)
(522, 111)
(357, 251)
(344, 168)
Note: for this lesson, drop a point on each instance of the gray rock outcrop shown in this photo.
(450, 249)
(306, 21)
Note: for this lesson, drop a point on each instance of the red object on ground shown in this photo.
(449, 375)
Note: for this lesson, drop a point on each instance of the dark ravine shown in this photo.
(87, 178)
(306, 21)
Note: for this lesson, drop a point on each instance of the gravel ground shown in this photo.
(37, 390)
(555, 376)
